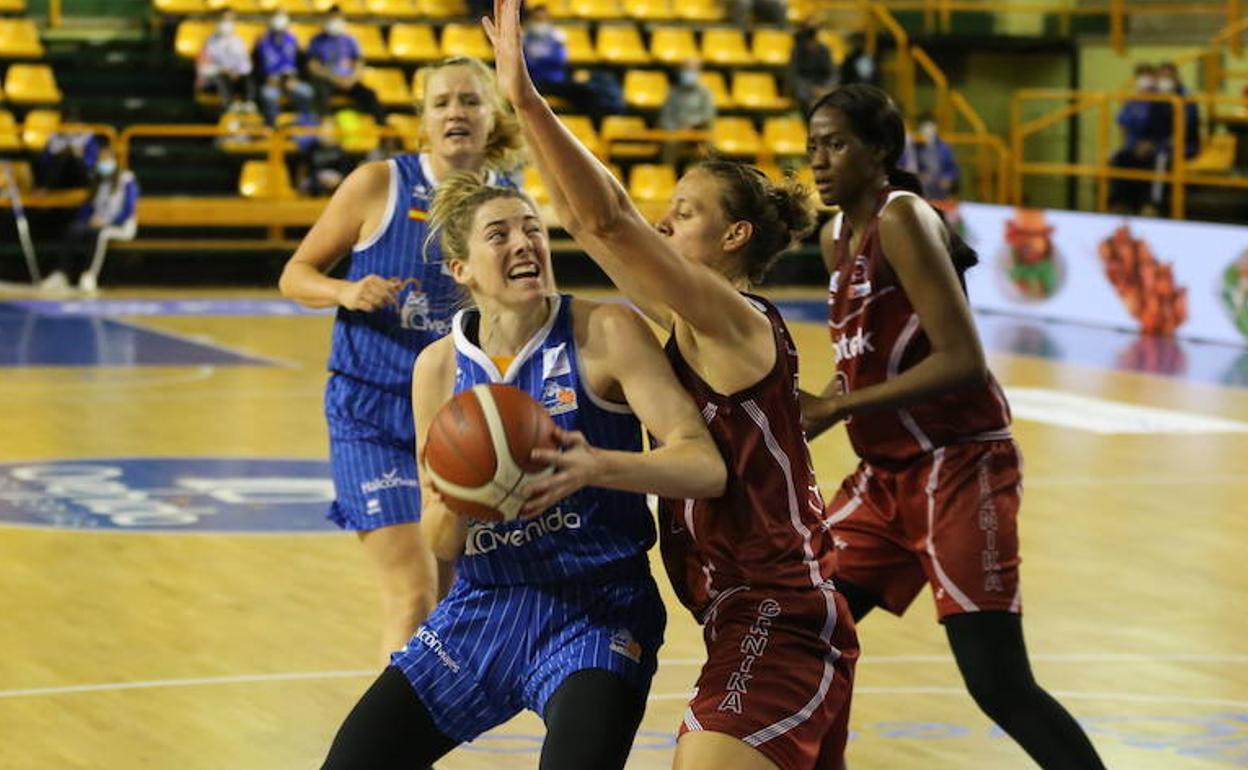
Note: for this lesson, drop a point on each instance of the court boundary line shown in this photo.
(292, 676)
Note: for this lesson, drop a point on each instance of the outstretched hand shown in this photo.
(575, 464)
(507, 36)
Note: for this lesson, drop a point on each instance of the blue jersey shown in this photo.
(594, 531)
(379, 348)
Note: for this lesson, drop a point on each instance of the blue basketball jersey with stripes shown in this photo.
(592, 531)
(380, 347)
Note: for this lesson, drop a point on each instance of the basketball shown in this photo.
(477, 451)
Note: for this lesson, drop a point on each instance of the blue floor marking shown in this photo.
(32, 338)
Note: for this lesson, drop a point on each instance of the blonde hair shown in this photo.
(503, 146)
(454, 206)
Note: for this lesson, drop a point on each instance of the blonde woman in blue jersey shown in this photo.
(394, 300)
(555, 612)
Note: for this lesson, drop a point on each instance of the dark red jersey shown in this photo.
(876, 335)
(765, 531)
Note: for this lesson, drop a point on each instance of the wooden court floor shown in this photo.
(199, 649)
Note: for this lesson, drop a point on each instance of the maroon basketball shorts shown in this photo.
(779, 674)
(949, 519)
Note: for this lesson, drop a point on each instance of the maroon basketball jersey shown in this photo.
(765, 531)
(876, 335)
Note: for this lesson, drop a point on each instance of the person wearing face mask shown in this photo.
(689, 105)
(224, 64)
(1141, 136)
(277, 67)
(931, 159)
(811, 71)
(1169, 82)
(546, 48)
(107, 214)
(396, 298)
(336, 65)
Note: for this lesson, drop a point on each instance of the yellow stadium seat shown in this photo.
(442, 9)
(673, 45)
(408, 127)
(757, 91)
(534, 186)
(304, 31)
(19, 39)
(619, 130)
(583, 129)
(372, 44)
(785, 135)
(31, 84)
(645, 89)
(714, 81)
(390, 85)
(801, 10)
(414, 42)
(558, 8)
(1217, 156)
(700, 10)
(10, 136)
(466, 40)
(579, 46)
(13, 6)
(736, 137)
(176, 7)
(725, 47)
(402, 8)
(772, 46)
(188, 41)
(39, 125)
(418, 84)
(348, 7)
(242, 6)
(259, 181)
(595, 9)
(621, 44)
(294, 6)
(250, 32)
(651, 182)
(649, 10)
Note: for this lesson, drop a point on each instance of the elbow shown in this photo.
(445, 550)
(974, 368)
(285, 283)
(597, 226)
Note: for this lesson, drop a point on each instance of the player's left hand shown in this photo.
(507, 37)
(576, 464)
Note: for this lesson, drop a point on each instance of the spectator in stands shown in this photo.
(931, 159)
(1169, 82)
(811, 70)
(277, 68)
(689, 105)
(336, 65)
(860, 65)
(545, 49)
(111, 204)
(1141, 134)
(225, 65)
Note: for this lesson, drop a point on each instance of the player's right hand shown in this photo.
(372, 292)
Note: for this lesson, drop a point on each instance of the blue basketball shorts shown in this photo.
(372, 454)
(487, 652)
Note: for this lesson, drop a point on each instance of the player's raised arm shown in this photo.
(596, 210)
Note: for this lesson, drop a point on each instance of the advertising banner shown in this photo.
(1187, 280)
